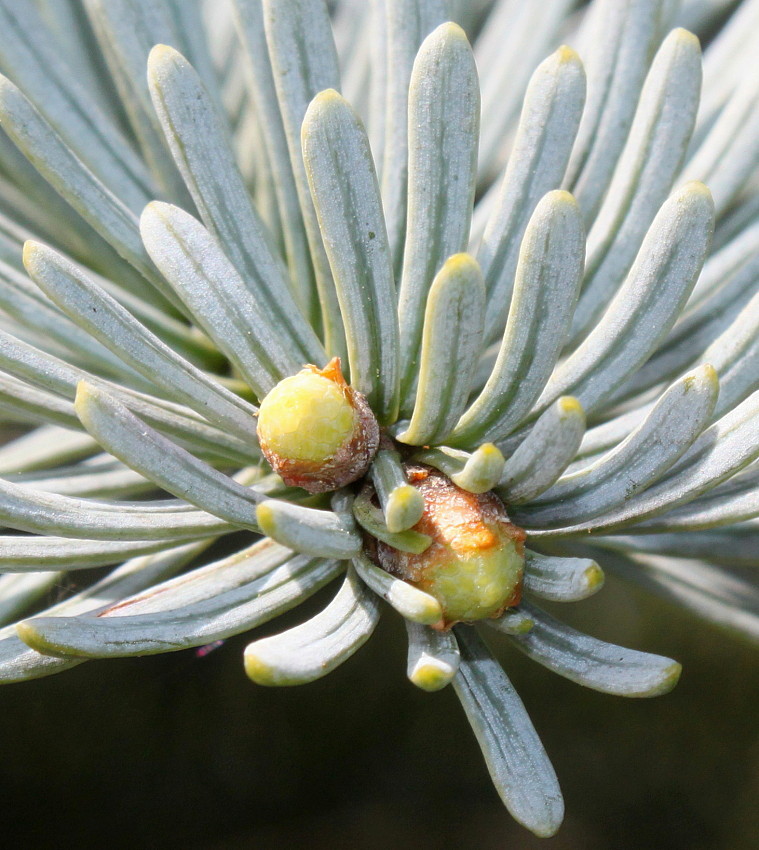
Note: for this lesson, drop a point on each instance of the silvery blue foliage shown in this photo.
(286, 184)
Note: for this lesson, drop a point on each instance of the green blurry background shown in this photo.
(182, 751)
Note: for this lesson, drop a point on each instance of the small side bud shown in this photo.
(475, 564)
(316, 431)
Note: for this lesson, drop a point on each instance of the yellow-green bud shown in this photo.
(475, 563)
(316, 431)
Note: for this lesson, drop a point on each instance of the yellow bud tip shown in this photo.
(695, 188)
(709, 373)
(681, 34)
(257, 670)
(324, 104)
(153, 209)
(482, 471)
(84, 391)
(429, 611)
(405, 508)
(159, 51)
(29, 252)
(547, 831)
(266, 519)
(329, 96)
(26, 632)
(594, 577)
(490, 452)
(566, 54)
(160, 58)
(451, 29)
(672, 677)
(561, 196)
(461, 264)
(570, 405)
(32, 638)
(430, 677)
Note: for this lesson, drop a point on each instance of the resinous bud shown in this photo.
(316, 431)
(475, 563)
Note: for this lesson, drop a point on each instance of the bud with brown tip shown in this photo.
(475, 564)
(316, 431)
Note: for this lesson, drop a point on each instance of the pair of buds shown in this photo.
(320, 434)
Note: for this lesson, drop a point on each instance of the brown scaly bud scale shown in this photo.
(475, 563)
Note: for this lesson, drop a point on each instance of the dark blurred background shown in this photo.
(183, 751)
